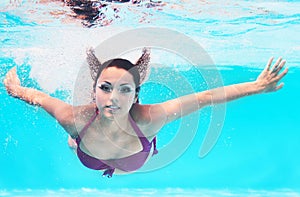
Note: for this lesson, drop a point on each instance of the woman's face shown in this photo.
(115, 92)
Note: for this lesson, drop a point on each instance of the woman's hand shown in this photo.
(268, 80)
(12, 82)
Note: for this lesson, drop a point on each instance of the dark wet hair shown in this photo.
(124, 64)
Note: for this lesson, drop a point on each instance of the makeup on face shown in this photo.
(107, 87)
(123, 90)
(115, 92)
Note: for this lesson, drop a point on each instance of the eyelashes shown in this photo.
(124, 89)
(105, 88)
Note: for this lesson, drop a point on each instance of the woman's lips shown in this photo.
(112, 108)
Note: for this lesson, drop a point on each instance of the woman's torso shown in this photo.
(104, 143)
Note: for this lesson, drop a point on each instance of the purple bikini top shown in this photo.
(128, 164)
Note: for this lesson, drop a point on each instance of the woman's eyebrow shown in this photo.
(124, 84)
(106, 82)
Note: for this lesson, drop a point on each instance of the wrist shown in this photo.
(28, 95)
(257, 87)
(16, 91)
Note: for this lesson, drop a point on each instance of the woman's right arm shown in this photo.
(60, 110)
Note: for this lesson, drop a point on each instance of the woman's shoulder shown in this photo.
(85, 108)
(84, 112)
(79, 116)
(144, 114)
(145, 118)
(139, 113)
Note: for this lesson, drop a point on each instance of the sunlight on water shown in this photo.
(171, 192)
(226, 31)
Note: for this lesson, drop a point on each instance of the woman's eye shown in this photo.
(105, 88)
(125, 90)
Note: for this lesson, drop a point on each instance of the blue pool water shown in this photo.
(257, 151)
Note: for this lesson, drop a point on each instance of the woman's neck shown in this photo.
(114, 124)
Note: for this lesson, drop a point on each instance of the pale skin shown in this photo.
(111, 136)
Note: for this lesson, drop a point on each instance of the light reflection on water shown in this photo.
(169, 192)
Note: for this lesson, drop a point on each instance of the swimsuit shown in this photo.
(128, 164)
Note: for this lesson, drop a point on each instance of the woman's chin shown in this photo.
(112, 115)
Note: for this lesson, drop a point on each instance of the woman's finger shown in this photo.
(269, 63)
(281, 66)
(276, 65)
(282, 74)
(5, 82)
(10, 72)
(11, 78)
(13, 72)
(279, 86)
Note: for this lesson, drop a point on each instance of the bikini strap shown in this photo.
(136, 128)
(141, 136)
(84, 129)
(155, 151)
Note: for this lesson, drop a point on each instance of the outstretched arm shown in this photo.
(267, 81)
(60, 110)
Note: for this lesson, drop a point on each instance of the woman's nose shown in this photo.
(114, 95)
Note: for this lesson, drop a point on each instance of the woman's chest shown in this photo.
(106, 144)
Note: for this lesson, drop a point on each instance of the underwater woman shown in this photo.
(116, 133)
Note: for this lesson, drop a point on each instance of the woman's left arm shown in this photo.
(168, 111)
